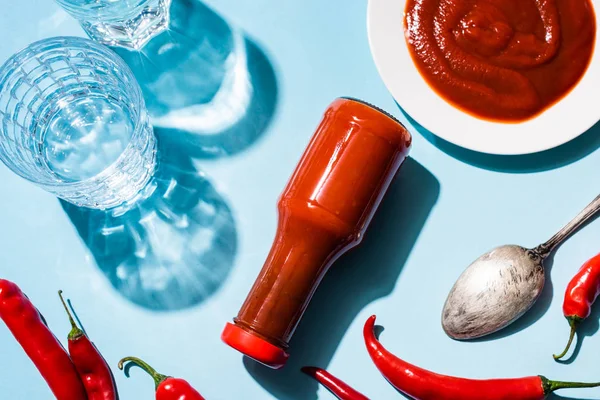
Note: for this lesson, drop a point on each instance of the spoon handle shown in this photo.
(545, 249)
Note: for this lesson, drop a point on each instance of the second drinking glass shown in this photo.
(73, 121)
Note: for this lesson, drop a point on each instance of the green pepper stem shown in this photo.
(158, 378)
(75, 331)
(551, 386)
(573, 323)
(561, 355)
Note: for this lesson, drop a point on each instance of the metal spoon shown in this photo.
(501, 285)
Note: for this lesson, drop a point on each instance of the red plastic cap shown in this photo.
(254, 347)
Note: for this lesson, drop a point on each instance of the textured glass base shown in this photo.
(120, 184)
(131, 33)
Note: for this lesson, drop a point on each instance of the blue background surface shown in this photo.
(446, 208)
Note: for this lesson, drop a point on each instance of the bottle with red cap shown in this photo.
(324, 211)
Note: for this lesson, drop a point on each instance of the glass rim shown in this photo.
(46, 43)
(141, 123)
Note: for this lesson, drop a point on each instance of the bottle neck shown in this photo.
(127, 24)
(306, 244)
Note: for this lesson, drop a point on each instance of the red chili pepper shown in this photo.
(167, 387)
(421, 384)
(581, 293)
(339, 388)
(91, 366)
(43, 348)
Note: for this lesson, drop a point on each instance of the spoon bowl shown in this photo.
(495, 290)
(501, 285)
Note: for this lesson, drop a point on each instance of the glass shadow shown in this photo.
(557, 157)
(363, 275)
(171, 249)
(208, 87)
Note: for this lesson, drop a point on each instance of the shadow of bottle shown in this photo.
(209, 88)
(171, 249)
(557, 157)
(365, 274)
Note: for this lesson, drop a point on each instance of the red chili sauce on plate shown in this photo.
(501, 60)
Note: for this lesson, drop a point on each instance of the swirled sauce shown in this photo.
(503, 60)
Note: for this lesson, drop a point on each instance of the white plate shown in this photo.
(564, 121)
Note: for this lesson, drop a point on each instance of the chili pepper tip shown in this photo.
(310, 371)
(336, 386)
(370, 323)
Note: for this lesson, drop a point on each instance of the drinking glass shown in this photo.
(192, 65)
(73, 121)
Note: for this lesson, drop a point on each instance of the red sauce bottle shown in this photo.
(324, 211)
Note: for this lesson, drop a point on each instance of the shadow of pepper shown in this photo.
(557, 157)
(208, 88)
(378, 329)
(170, 250)
(365, 274)
(554, 396)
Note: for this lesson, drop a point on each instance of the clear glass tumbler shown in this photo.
(192, 65)
(73, 121)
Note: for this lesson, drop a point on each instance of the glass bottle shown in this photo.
(324, 211)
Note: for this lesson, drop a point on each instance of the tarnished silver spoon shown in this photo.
(501, 285)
